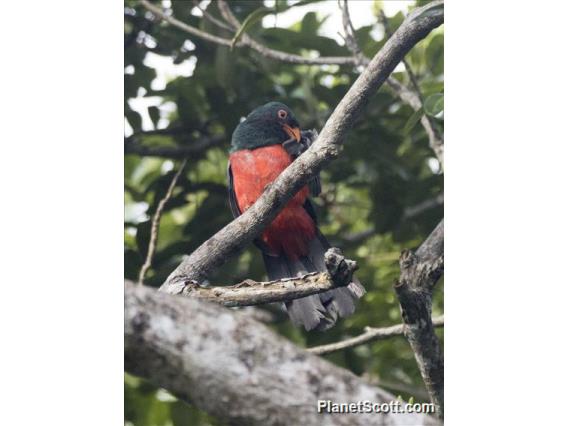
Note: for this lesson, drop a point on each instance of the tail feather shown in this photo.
(318, 311)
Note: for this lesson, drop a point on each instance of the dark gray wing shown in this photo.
(232, 197)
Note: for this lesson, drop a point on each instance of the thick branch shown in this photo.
(249, 293)
(370, 335)
(237, 369)
(233, 237)
(419, 273)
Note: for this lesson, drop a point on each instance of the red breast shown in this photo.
(293, 228)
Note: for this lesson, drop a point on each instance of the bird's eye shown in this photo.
(282, 114)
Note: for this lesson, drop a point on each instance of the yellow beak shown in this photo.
(293, 132)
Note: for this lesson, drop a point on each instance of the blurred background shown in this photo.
(183, 98)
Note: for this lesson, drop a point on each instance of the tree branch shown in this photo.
(370, 335)
(237, 234)
(133, 146)
(156, 10)
(414, 99)
(350, 39)
(152, 244)
(278, 55)
(415, 210)
(211, 18)
(408, 213)
(250, 293)
(419, 273)
(237, 369)
(247, 41)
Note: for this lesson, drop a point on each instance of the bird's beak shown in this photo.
(293, 132)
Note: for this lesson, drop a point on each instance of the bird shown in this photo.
(262, 146)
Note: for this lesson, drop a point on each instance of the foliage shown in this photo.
(386, 167)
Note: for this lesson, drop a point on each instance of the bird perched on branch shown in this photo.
(262, 146)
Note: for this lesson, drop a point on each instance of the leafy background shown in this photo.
(385, 170)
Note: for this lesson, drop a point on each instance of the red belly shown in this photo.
(292, 230)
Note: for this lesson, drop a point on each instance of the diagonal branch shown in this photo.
(237, 234)
(237, 369)
(370, 335)
(419, 272)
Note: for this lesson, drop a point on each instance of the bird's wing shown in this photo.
(309, 207)
(232, 196)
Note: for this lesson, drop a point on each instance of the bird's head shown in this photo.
(270, 124)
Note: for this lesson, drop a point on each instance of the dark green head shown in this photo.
(269, 124)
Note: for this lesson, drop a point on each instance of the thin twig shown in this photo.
(183, 26)
(132, 145)
(247, 41)
(277, 54)
(412, 98)
(211, 18)
(415, 99)
(408, 213)
(350, 39)
(370, 335)
(156, 224)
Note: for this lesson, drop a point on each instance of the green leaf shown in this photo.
(303, 3)
(310, 24)
(154, 113)
(260, 13)
(250, 20)
(434, 104)
(414, 118)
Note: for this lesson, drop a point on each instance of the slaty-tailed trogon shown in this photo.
(262, 146)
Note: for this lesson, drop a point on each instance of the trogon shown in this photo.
(262, 146)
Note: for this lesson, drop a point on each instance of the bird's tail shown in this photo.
(319, 311)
